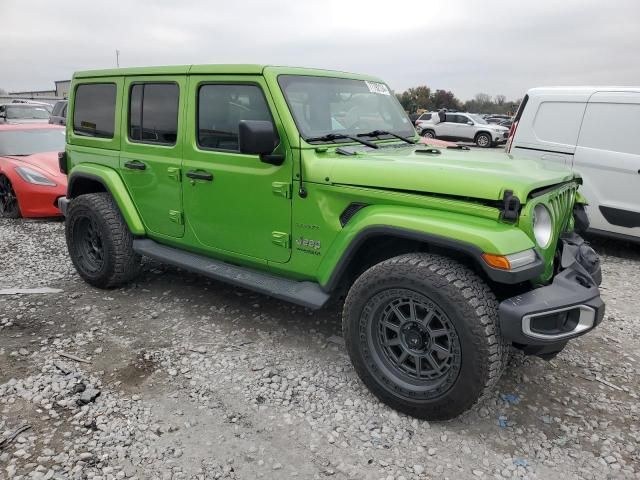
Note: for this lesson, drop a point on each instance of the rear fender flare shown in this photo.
(113, 184)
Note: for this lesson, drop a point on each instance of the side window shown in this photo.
(462, 119)
(64, 111)
(220, 109)
(95, 110)
(619, 135)
(153, 113)
(56, 109)
(558, 122)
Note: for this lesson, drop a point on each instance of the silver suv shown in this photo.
(465, 127)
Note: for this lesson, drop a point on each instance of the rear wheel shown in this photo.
(423, 335)
(429, 134)
(483, 140)
(99, 241)
(9, 207)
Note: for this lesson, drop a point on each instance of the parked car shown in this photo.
(47, 106)
(594, 131)
(59, 113)
(466, 127)
(243, 173)
(425, 117)
(497, 119)
(23, 113)
(30, 177)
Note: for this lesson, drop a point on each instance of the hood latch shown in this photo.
(510, 207)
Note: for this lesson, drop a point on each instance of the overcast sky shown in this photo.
(467, 46)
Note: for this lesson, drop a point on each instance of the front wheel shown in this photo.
(423, 335)
(99, 242)
(484, 140)
(9, 207)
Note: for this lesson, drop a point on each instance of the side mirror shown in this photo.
(3, 115)
(469, 122)
(258, 137)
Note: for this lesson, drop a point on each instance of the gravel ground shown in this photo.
(177, 376)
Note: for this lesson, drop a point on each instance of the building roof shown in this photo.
(28, 92)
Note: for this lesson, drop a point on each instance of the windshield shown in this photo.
(28, 142)
(27, 112)
(327, 105)
(478, 119)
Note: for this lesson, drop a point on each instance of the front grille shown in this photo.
(561, 205)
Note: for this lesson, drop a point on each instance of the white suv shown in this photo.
(466, 127)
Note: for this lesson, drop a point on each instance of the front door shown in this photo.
(235, 203)
(465, 128)
(151, 150)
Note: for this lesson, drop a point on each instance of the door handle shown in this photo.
(135, 165)
(199, 175)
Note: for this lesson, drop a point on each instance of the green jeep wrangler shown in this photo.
(309, 184)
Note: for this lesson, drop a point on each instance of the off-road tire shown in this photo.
(13, 211)
(428, 134)
(118, 263)
(471, 308)
(479, 142)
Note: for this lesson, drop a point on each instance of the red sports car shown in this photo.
(30, 177)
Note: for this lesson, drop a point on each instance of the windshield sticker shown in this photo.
(380, 88)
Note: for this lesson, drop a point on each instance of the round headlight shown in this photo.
(542, 225)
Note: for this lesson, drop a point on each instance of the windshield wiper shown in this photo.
(339, 136)
(377, 133)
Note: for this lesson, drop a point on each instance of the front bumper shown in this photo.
(63, 204)
(542, 320)
(500, 137)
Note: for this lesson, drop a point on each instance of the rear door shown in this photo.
(151, 150)
(447, 129)
(608, 158)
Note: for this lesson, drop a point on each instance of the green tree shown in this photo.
(445, 99)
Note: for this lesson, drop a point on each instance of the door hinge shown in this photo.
(280, 239)
(175, 216)
(282, 189)
(174, 173)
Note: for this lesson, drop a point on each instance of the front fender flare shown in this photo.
(458, 232)
(112, 182)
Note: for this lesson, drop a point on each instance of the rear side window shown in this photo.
(94, 110)
(153, 113)
(612, 126)
(220, 110)
(558, 122)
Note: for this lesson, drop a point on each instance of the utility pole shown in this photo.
(118, 58)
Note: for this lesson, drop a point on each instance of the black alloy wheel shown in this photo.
(418, 342)
(88, 244)
(9, 207)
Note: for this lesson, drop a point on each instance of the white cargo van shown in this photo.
(595, 131)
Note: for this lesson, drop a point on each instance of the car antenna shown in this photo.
(301, 191)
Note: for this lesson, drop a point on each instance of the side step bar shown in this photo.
(307, 294)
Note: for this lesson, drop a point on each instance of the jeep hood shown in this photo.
(477, 174)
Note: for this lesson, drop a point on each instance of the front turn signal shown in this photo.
(497, 261)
